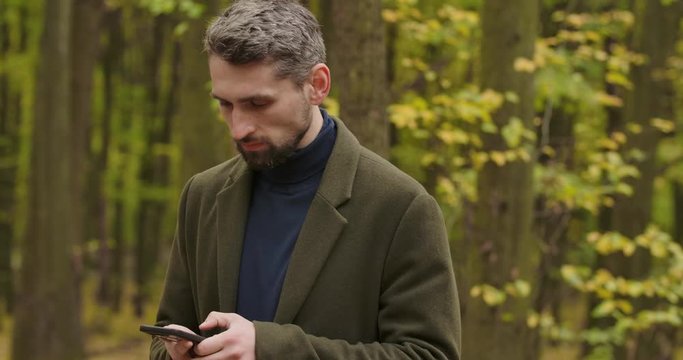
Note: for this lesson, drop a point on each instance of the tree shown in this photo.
(47, 307)
(87, 16)
(502, 249)
(10, 115)
(202, 136)
(360, 70)
(649, 108)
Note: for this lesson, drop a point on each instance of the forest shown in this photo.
(547, 130)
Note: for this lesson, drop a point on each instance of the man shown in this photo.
(307, 245)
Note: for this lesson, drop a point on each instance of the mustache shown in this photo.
(251, 138)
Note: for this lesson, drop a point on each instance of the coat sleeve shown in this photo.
(419, 316)
(177, 305)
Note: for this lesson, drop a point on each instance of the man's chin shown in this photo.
(267, 158)
(256, 161)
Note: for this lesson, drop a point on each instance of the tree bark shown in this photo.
(655, 36)
(154, 170)
(47, 308)
(678, 212)
(109, 261)
(87, 15)
(652, 97)
(360, 70)
(503, 247)
(9, 138)
(202, 135)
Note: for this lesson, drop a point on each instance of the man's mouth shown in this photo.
(252, 146)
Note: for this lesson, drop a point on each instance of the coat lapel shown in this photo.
(233, 204)
(322, 227)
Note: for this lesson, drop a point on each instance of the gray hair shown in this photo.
(279, 31)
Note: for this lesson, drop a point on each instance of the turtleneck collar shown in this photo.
(306, 162)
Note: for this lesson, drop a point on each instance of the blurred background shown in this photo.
(546, 129)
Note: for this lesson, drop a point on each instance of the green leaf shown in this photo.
(605, 308)
(513, 132)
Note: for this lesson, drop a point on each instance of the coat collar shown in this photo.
(321, 228)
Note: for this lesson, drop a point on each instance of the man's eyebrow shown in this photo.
(217, 97)
(246, 98)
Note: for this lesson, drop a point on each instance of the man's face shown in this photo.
(269, 117)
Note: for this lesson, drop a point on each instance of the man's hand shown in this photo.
(237, 342)
(178, 350)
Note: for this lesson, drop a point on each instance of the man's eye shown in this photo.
(258, 104)
(224, 104)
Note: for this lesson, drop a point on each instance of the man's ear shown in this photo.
(319, 84)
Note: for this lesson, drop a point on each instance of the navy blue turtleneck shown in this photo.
(280, 199)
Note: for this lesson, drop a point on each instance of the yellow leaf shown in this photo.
(498, 157)
(511, 155)
(603, 276)
(576, 20)
(663, 125)
(603, 246)
(428, 159)
(453, 136)
(593, 237)
(601, 55)
(548, 151)
(624, 306)
(634, 128)
(604, 309)
(524, 155)
(390, 16)
(608, 144)
(512, 97)
(619, 137)
(492, 296)
(658, 250)
(532, 320)
(524, 65)
(479, 159)
(609, 100)
(618, 78)
(629, 249)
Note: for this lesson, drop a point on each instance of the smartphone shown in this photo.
(171, 334)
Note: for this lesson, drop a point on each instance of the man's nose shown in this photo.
(240, 125)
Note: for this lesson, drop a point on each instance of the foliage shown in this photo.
(631, 304)
(583, 74)
(439, 115)
(493, 296)
(670, 153)
(575, 67)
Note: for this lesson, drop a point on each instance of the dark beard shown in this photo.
(273, 155)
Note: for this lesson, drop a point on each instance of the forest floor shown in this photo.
(124, 342)
(115, 336)
(121, 340)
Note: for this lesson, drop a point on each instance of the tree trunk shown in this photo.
(202, 135)
(503, 247)
(110, 273)
(87, 15)
(615, 122)
(655, 36)
(47, 308)
(9, 138)
(553, 220)
(652, 97)
(360, 70)
(153, 169)
(678, 212)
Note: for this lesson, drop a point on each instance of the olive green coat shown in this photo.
(370, 276)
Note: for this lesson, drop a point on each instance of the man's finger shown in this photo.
(216, 319)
